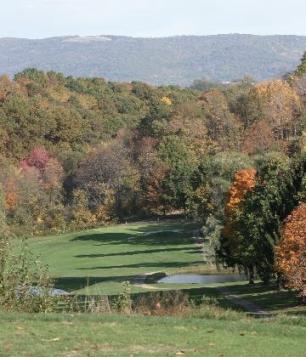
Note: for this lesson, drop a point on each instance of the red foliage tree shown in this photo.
(44, 166)
(38, 158)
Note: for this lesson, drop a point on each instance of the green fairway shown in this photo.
(108, 335)
(98, 261)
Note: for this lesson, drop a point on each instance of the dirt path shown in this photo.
(249, 306)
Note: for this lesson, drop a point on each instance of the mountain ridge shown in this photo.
(175, 60)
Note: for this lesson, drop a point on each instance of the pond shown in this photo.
(201, 279)
(37, 291)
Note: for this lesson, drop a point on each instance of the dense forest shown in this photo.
(161, 61)
(79, 152)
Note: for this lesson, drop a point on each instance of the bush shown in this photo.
(24, 281)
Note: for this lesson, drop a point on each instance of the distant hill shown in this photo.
(172, 60)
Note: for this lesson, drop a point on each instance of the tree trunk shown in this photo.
(251, 275)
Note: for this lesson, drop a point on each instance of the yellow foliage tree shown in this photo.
(279, 105)
(166, 101)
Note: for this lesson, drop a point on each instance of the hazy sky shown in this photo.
(45, 18)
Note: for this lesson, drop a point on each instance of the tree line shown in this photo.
(81, 152)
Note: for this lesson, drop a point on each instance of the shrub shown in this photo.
(24, 281)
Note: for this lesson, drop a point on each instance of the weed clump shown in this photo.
(24, 281)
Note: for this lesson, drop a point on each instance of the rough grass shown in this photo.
(114, 335)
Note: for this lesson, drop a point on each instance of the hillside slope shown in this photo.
(173, 60)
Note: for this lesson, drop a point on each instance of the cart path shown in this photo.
(249, 306)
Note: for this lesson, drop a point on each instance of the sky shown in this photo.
(150, 18)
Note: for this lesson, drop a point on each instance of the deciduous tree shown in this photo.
(291, 251)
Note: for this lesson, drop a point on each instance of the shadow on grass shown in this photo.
(160, 265)
(77, 283)
(268, 297)
(147, 239)
(190, 250)
(146, 235)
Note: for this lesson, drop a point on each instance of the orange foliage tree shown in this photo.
(291, 251)
(244, 181)
(11, 195)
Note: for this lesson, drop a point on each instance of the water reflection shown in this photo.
(201, 279)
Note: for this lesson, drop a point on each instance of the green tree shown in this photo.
(259, 219)
(301, 69)
(180, 163)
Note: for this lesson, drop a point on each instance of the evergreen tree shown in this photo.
(301, 69)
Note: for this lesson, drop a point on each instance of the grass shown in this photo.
(111, 335)
(98, 261)
(269, 298)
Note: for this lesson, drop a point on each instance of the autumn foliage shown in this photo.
(258, 138)
(244, 181)
(77, 152)
(44, 166)
(273, 109)
(11, 196)
(291, 252)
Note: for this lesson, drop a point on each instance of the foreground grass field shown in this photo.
(100, 260)
(107, 335)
